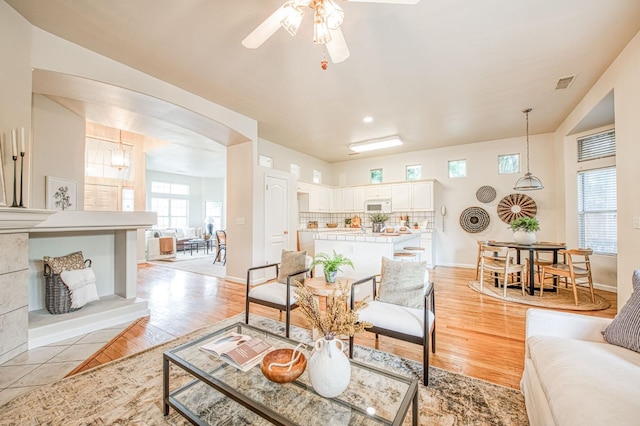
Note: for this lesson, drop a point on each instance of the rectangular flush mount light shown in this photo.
(376, 144)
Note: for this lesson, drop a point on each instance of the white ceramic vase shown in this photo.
(329, 369)
(526, 238)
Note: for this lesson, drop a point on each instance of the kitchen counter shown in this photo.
(364, 250)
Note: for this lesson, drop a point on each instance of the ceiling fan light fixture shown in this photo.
(374, 144)
(293, 19)
(334, 15)
(528, 182)
(321, 34)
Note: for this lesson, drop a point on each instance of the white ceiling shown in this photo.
(442, 72)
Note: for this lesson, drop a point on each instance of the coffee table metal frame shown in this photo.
(172, 357)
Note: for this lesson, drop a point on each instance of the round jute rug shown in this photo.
(562, 299)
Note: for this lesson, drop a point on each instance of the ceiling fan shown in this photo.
(327, 19)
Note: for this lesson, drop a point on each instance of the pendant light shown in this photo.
(119, 156)
(528, 182)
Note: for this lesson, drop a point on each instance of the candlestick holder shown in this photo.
(21, 175)
(15, 180)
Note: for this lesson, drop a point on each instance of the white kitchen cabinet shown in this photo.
(422, 196)
(411, 196)
(338, 199)
(320, 198)
(377, 191)
(426, 242)
(401, 197)
(353, 198)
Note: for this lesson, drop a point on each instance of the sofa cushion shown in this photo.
(402, 283)
(624, 330)
(69, 262)
(290, 262)
(587, 383)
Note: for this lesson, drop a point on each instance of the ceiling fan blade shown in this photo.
(337, 47)
(386, 1)
(265, 30)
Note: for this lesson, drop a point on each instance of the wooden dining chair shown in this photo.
(221, 245)
(576, 269)
(479, 257)
(499, 262)
(542, 258)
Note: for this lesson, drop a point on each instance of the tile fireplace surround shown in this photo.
(16, 225)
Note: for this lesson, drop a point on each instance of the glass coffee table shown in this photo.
(214, 392)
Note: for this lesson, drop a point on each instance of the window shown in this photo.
(317, 177)
(597, 211)
(414, 172)
(457, 168)
(265, 161)
(170, 201)
(375, 176)
(295, 170)
(596, 146)
(508, 164)
(213, 214)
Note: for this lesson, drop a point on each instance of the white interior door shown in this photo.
(276, 202)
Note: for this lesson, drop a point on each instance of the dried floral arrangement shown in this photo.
(338, 319)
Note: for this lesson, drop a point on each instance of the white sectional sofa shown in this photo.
(572, 376)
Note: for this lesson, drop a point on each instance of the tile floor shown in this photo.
(47, 364)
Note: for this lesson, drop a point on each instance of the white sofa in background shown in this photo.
(153, 247)
(572, 376)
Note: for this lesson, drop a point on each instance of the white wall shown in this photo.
(15, 87)
(454, 246)
(58, 148)
(283, 157)
(623, 77)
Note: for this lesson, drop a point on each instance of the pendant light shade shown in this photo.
(528, 182)
(119, 158)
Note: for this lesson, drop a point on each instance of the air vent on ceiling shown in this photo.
(565, 82)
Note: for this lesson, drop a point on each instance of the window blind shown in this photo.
(597, 210)
(597, 146)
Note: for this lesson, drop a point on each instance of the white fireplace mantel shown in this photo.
(14, 219)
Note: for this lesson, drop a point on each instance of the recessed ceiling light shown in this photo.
(376, 144)
(367, 119)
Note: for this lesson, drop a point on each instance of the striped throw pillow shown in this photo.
(624, 330)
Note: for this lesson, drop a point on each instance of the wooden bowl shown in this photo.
(332, 225)
(280, 374)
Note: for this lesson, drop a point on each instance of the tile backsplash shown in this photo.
(424, 219)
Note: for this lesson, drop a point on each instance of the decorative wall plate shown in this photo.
(514, 206)
(486, 194)
(474, 219)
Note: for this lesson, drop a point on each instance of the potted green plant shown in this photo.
(331, 264)
(378, 220)
(524, 229)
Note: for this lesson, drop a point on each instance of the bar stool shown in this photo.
(404, 257)
(415, 250)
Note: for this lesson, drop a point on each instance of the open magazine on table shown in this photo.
(239, 350)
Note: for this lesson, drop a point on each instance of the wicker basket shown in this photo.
(57, 296)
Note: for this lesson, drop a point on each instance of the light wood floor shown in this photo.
(477, 335)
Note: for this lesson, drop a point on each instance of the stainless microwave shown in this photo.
(377, 206)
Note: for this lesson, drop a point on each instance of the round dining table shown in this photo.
(532, 248)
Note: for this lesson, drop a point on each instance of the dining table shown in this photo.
(532, 248)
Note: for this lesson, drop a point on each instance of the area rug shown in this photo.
(200, 265)
(562, 299)
(129, 391)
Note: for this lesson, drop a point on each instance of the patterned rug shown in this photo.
(129, 391)
(562, 299)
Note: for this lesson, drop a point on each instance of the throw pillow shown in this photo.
(65, 263)
(292, 261)
(624, 330)
(402, 283)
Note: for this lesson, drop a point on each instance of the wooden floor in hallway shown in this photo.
(477, 335)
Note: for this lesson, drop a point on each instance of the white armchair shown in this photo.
(411, 324)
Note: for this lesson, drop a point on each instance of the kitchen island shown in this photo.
(364, 250)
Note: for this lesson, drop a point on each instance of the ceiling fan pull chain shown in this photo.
(324, 63)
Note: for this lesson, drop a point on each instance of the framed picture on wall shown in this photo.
(61, 194)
